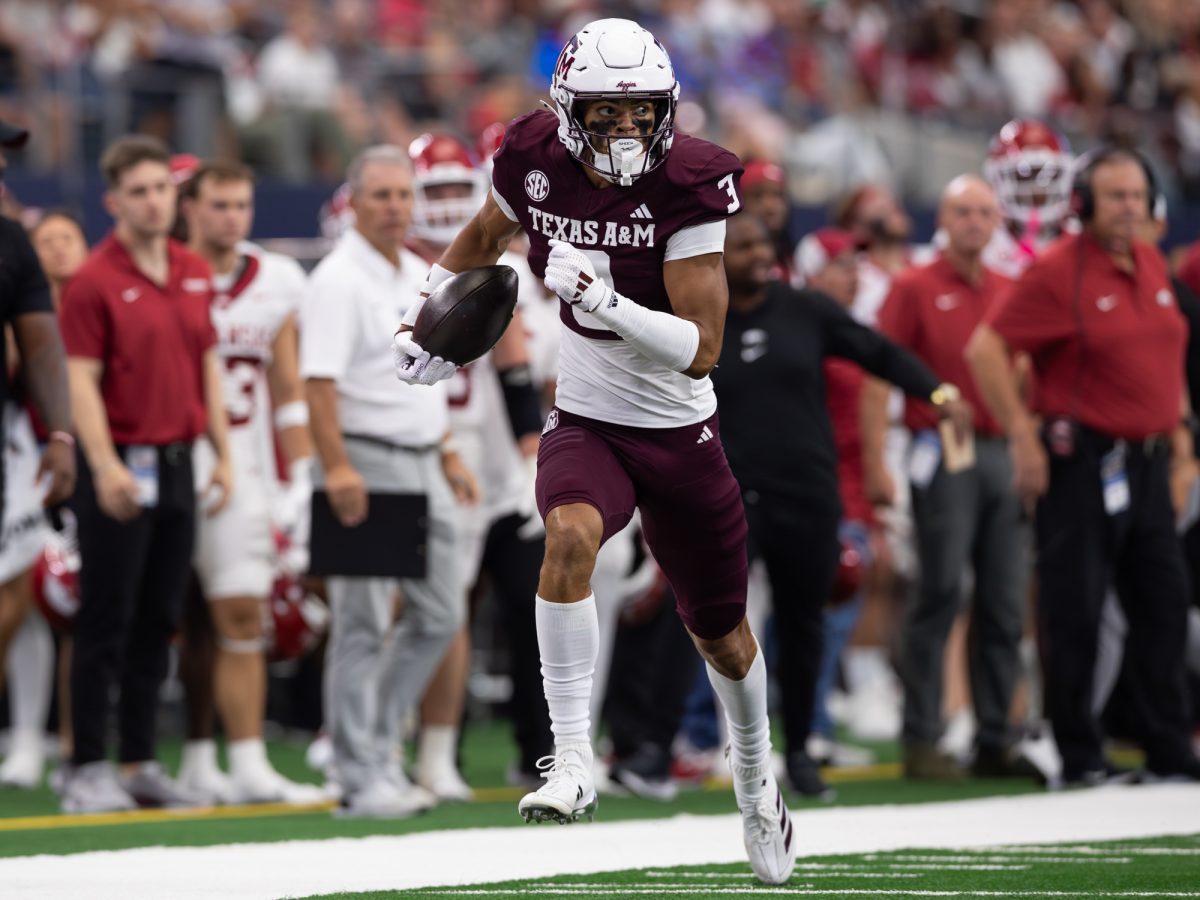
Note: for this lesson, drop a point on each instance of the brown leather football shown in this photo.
(467, 313)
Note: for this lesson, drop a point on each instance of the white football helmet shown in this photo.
(618, 59)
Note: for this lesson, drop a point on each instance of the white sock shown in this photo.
(437, 747)
(745, 704)
(31, 674)
(199, 756)
(569, 640)
(248, 758)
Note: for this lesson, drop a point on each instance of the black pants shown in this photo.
(512, 566)
(798, 542)
(1081, 549)
(132, 583)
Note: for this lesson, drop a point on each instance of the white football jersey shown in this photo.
(479, 419)
(248, 310)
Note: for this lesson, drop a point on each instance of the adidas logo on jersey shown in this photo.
(642, 212)
(705, 435)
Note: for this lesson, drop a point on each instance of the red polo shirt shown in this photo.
(843, 387)
(1107, 345)
(150, 339)
(933, 311)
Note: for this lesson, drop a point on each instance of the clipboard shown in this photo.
(390, 543)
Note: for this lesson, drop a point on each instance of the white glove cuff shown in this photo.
(436, 276)
(660, 336)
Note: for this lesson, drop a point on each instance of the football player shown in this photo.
(1031, 169)
(626, 223)
(255, 299)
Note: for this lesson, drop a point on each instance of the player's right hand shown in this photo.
(417, 366)
(571, 275)
(117, 492)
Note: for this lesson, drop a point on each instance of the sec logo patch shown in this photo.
(537, 185)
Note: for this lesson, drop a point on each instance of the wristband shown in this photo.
(63, 437)
(436, 276)
(291, 415)
(448, 445)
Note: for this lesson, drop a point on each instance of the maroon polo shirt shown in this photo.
(933, 311)
(1107, 345)
(150, 338)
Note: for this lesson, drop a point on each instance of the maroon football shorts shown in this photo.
(691, 505)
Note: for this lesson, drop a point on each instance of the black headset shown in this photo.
(1083, 199)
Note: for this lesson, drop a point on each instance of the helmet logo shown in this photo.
(537, 185)
(626, 85)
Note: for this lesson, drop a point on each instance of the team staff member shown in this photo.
(145, 383)
(966, 517)
(779, 441)
(1097, 315)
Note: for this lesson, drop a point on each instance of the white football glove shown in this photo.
(570, 274)
(417, 366)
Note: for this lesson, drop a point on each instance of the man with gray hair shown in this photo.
(373, 436)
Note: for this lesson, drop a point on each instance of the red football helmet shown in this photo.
(1031, 169)
(297, 621)
(848, 579)
(448, 187)
(56, 581)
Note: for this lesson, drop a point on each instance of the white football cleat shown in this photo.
(767, 829)
(569, 793)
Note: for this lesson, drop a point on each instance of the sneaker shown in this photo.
(1003, 762)
(828, 752)
(568, 794)
(23, 766)
(209, 783)
(150, 786)
(805, 779)
(767, 829)
(384, 799)
(445, 783)
(923, 760)
(268, 786)
(645, 773)
(94, 788)
(1037, 747)
(1107, 773)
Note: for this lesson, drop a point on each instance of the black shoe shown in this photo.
(1002, 762)
(1094, 776)
(924, 761)
(1182, 770)
(645, 773)
(805, 777)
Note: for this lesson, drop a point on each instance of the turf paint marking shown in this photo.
(464, 857)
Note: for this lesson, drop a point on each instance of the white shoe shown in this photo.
(382, 799)
(94, 788)
(569, 792)
(23, 766)
(445, 783)
(873, 712)
(319, 755)
(208, 782)
(959, 736)
(767, 829)
(827, 752)
(268, 786)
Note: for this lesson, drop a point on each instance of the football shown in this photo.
(467, 313)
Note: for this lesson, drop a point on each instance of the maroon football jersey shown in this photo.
(552, 198)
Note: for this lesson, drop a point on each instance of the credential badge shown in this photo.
(537, 185)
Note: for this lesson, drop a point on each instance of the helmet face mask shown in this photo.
(619, 61)
(1031, 170)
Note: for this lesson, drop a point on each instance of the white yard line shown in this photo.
(475, 856)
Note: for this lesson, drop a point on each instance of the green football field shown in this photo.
(883, 836)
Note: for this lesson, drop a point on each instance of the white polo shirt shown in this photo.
(352, 307)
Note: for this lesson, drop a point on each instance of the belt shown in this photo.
(1149, 445)
(384, 442)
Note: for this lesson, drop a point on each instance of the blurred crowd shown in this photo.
(840, 89)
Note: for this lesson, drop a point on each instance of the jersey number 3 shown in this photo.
(735, 202)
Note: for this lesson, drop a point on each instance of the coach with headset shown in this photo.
(1097, 315)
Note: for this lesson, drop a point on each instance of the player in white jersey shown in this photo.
(495, 418)
(254, 312)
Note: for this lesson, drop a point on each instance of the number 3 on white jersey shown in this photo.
(735, 202)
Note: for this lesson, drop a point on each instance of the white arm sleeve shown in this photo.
(662, 337)
(696, 240)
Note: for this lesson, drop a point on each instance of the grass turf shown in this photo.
(1155, 867)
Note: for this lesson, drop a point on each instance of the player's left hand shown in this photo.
(462, 479)
(58, 466)
(417, 366)
(571, 275)
(216, 495)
